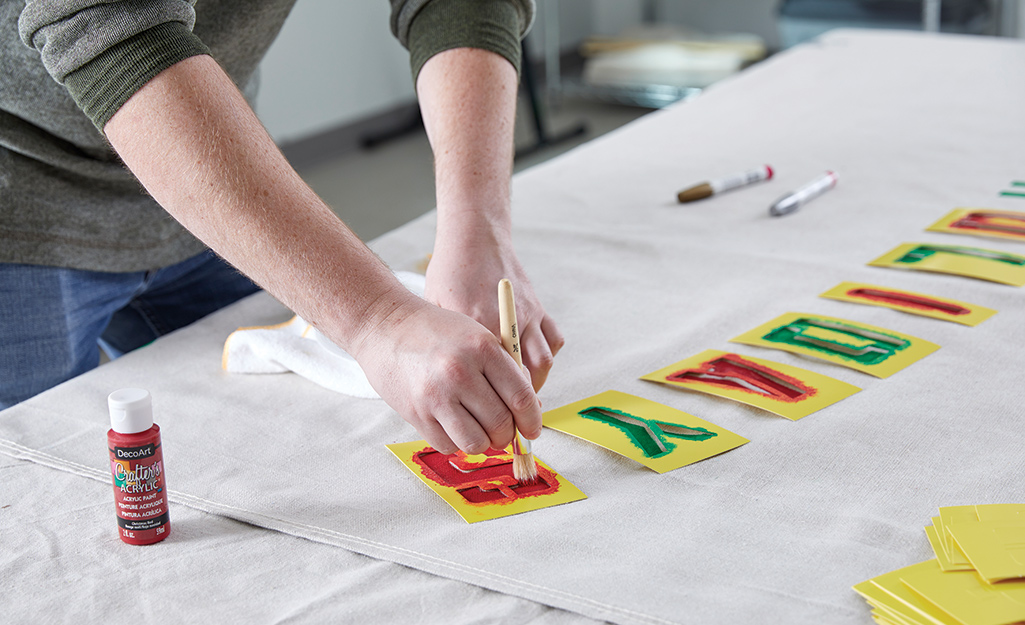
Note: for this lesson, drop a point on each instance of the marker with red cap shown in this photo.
(726, 183)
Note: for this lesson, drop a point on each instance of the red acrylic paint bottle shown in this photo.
(137, 468)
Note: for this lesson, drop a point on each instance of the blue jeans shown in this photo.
(54, 320)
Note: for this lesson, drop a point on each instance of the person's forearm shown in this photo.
(197, 147)
(194, 143)
(468, 97)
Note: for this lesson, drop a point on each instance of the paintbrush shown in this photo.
(524, 467)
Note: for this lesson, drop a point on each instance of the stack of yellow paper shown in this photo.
(977, 578)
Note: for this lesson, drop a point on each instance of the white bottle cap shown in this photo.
(131, 410)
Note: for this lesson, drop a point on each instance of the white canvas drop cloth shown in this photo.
(773, 532)
(62, 562)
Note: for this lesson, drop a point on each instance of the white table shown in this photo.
(775, 531)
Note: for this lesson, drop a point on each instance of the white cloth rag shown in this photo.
(296, 346)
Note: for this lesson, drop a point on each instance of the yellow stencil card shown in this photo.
(886, 609)
(995, 548)
(900, 602)
(965, 596)
(990, 537)
(1001, 512)
(909, 302)
(659, 437)
(876, 351)
(481, 486)
(939, 548)
(983, 222)
(788, 391)
(949, 516)
(971, 262)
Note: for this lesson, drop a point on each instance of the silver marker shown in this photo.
(792, 201)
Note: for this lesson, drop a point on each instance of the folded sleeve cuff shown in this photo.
(447, 24)
(104, 84)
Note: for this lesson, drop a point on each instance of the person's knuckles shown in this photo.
(476, 446)
(556, 343)
(499, 427)
(523, 401)
(553, 336)
(443, 446)
(453, 372)
(453, 375)
(501, 442)
(466, 434)
(539, 360)
(436, 436)
(538, 379)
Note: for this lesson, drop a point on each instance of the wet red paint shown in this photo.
(907, 300)
(990, 222)
(482, 482)
(776, 384)
(495, 457)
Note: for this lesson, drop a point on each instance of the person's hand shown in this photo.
(464, 278)
(448, 376)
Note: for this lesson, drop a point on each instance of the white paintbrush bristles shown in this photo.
(524, 465)
(524, 468)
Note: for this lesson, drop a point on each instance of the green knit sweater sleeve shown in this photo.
(104, 84)
(103, 51)
(429, 27)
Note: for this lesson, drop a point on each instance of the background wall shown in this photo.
(746, 16)
(336, 63)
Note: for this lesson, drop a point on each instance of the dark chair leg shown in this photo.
(544, 136)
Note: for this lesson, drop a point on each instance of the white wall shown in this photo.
(578, 19)
(715, 16)
(333, 64)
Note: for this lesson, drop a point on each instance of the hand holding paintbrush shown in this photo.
(524, 467)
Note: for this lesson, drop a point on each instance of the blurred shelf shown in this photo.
(647, 96)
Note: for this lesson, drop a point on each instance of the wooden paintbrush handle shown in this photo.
(507, 321)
